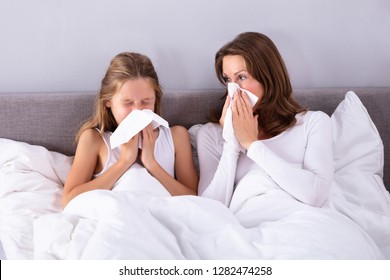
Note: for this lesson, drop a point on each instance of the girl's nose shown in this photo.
(139, 106)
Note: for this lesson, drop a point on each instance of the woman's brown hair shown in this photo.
(123, 67)
(277, 108)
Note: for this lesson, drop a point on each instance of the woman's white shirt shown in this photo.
(299, 160)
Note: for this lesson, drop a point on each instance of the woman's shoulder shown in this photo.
(313, 120)
(211, 128)
(313, 116)
(210, 131)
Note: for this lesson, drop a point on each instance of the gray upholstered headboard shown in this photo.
(52, 119)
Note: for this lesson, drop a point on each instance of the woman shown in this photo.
(277, 136)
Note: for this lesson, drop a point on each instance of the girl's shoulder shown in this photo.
(90, 134)
(90, 139)
(178, 131)
(180, 135)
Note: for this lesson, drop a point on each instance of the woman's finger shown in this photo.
(239, 106)
(225, 107)
(246, 103)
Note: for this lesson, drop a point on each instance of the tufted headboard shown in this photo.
(51, 119)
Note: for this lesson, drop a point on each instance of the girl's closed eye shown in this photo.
(146, 102)
(128, 104)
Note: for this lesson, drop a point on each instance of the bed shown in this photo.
(36, 148)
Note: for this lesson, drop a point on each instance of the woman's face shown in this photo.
(134, 94)
(235, 71)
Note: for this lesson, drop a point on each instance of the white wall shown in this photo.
(66, 45)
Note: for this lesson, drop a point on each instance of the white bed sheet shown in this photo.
(139, 221)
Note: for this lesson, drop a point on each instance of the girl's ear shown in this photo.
(108, 104)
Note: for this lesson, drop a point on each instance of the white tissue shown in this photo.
(228, 131)
(134, 123)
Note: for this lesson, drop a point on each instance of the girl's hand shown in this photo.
(245, 125)
(148, 142)
(225, 106)
(129, 151)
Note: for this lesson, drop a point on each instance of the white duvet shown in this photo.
(139, 220)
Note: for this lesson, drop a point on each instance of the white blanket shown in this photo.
(140, 221)
(31, 180)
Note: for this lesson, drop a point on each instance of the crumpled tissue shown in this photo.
(228, 131)
(134, 123)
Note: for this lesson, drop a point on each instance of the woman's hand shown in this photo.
(129, 151)
(148, 142)
(225, 106)
(245, 125)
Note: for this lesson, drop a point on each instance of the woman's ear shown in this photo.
(108, 104)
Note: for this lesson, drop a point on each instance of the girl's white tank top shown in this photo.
(164, 151)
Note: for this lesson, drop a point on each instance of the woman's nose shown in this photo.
(239, 83)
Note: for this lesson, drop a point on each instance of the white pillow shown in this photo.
(358, 154)
(357, 144)
(358, 190)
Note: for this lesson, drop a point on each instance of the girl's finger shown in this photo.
(147, 132)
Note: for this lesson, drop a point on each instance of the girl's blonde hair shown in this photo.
(123, 67)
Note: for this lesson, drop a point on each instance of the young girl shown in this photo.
(130, 83)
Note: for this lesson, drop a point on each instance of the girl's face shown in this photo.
(134, 94)
(235, 71)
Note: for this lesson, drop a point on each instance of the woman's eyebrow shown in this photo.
(243, 70)
(235, 74)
